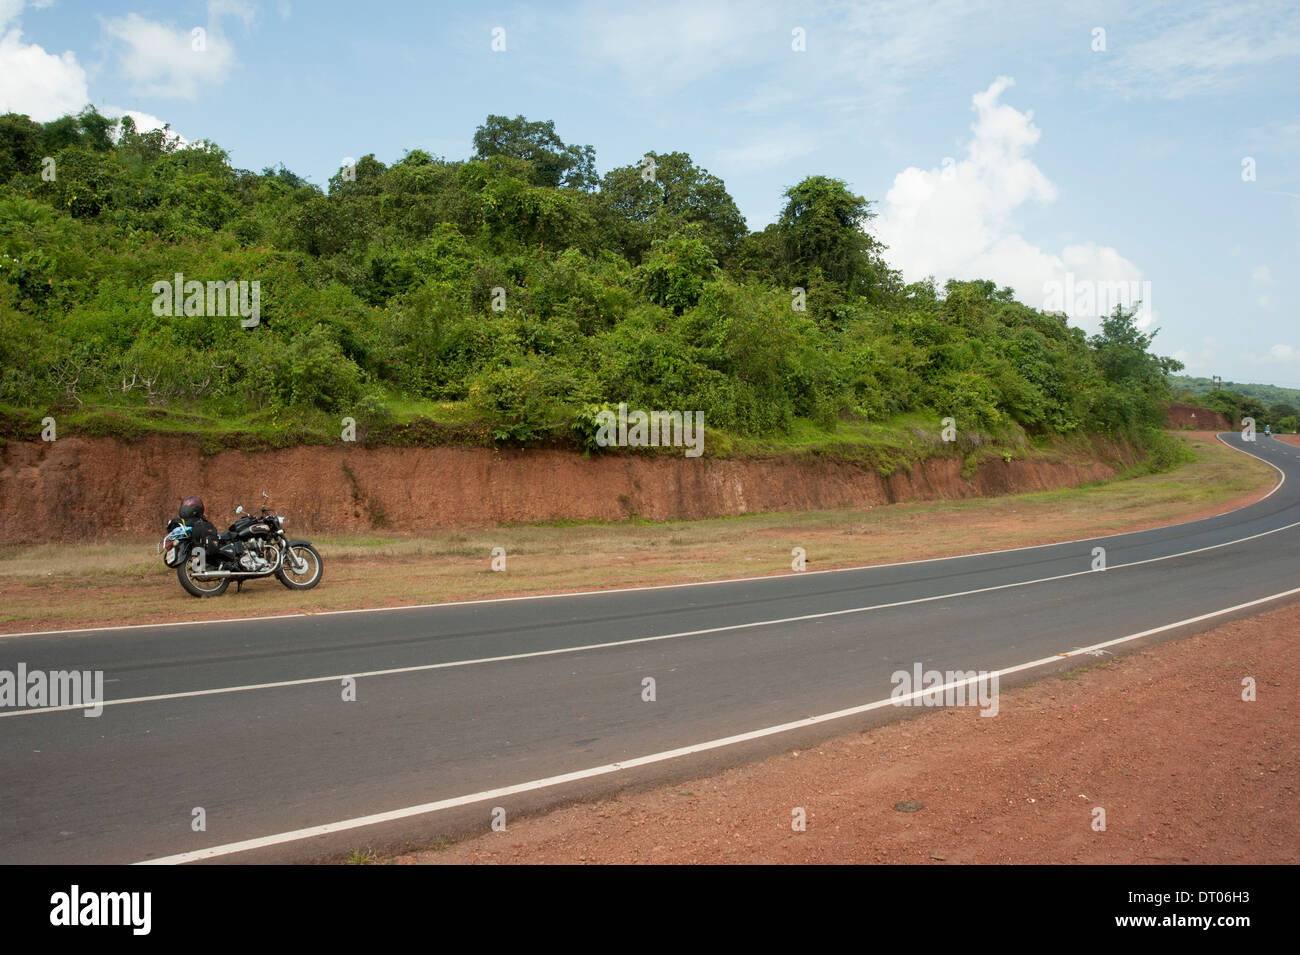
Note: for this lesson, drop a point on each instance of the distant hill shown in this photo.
(1268, 395)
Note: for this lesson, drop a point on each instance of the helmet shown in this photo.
(192, 507)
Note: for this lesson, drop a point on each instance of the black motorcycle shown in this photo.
(207, 561)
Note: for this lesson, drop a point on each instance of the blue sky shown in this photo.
(1010, 141)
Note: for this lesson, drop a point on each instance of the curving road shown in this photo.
(462, 708)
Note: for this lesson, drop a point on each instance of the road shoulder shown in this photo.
(1185, 770)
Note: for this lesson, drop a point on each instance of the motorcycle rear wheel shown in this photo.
(200, 588)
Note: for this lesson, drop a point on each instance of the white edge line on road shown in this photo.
(532, 785)
(557, 651)
(626, 590)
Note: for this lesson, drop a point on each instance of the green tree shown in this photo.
(553, 162)
(675, 272)
(1282, 410)
(1138, 379)
(20, 146)
(88, 128)
(666, 193)
(1224, 401)
(1253, 408)
(822, 230)
(1122, 351)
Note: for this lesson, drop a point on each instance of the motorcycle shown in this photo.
(207, 561)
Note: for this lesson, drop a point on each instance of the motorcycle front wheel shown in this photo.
(301, 568)
(200, 588)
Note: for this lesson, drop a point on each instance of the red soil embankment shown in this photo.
(85, 488)
(1195, 417)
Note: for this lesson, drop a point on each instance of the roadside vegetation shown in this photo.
(1269, 405)
(507, 297)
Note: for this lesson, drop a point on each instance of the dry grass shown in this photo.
(58, 586)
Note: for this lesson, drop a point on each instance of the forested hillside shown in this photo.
(505, 297)
(1267, 404)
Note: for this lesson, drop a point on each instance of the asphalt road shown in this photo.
(428, 744)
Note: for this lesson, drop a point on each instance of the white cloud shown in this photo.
(9, 10)
(1263, 301)
(162, 60)
(158, 59)
(863, 58)
(1184, 50)
(957, 221)
(889, 44)
(46, 86)
(1277, 355)
(43, 85)
(1262, 275)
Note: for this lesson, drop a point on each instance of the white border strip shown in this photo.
(625, 590)
(430, 807)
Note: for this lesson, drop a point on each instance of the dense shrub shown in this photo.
(511, 282)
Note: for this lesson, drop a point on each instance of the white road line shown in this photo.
(358, 822)
(625, 590)
(635, 640)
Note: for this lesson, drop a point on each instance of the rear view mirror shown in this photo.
(239, 509)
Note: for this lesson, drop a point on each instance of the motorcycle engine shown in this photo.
(253, 561)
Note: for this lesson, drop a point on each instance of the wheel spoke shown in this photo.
(301, 564)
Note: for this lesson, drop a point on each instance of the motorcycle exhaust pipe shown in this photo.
(212, 574)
